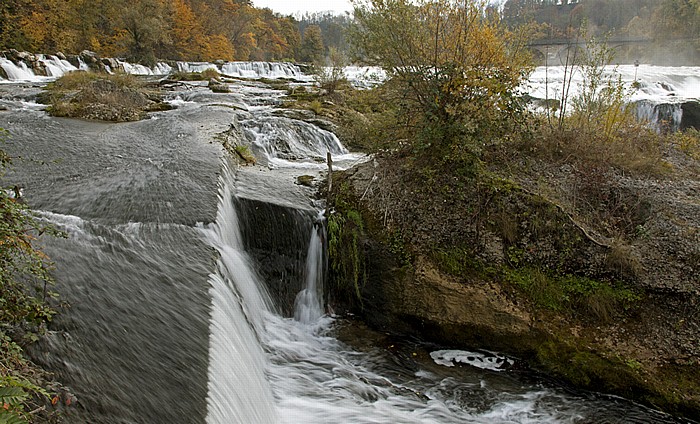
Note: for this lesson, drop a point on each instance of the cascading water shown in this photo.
(308, 305)
(301, 372)
(238, 389)
(660, 116)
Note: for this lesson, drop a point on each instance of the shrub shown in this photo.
(210, 73)
(455, 68)
(331, 75)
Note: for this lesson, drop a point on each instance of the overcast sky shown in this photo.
(291, 7)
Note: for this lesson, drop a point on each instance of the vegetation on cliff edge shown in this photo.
(25, 292)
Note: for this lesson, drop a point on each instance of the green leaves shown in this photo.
(24, 280)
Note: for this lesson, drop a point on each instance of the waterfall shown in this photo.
(17, 72)
(660, 116)
(238, 389)
(282, 140)
(262, 69)
(308, 305)
(56, 67)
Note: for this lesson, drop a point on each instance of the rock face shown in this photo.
(691, 115)
(473, 265)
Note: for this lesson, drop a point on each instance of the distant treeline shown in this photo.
(653, 19)
(147, 30)
(205, 30)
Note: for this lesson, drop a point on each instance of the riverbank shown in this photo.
(584, 266)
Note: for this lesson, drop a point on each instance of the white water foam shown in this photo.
(238, 389)
(308, 305)
(493, 362)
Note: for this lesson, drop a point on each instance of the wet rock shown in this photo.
(691, 115)
(305, 180)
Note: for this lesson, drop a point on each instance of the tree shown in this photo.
(311, 44)
(187, 37)
(457, 69)
(145, 30)
(678, 18)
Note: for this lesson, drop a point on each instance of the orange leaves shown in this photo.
(218, 47)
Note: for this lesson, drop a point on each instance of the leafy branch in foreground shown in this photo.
(24, 293)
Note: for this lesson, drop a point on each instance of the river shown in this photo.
(193, 286)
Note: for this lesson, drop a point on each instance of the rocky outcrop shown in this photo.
(691, 115)
(493, 264)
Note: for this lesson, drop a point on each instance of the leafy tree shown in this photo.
(311, 44)
(678, 18)
(187, 33)
(145, 30)
(456, 68)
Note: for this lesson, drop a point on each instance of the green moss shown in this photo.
(244, 153)
(461, 263)
(588, 369)
(347, 262)
(572, 294)
(305, 180)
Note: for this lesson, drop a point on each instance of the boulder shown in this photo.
(691, 115)
(89, 57)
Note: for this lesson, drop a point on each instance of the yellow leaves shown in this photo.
(35, 29)
(218, 47)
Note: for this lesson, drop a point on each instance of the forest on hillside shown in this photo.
(147, 30)
(205, 30)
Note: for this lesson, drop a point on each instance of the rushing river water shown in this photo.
(195, 285)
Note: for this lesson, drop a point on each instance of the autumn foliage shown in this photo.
(147, 30)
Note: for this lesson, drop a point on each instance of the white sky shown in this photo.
(292, 7)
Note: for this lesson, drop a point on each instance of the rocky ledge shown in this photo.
(498, 264)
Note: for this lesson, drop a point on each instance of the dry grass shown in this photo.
(635, 149)
(118, 97)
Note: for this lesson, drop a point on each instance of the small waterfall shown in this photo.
(262, 69)
(17, 72)
(282, 140)
(308, 305)
(238, 389)
(195, 66)
(56, 67)
(660, 116)
(138, 69)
